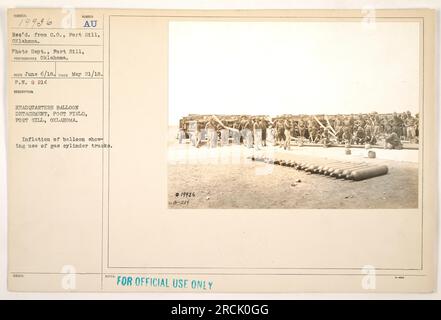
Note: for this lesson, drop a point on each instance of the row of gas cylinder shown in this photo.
(336, 169)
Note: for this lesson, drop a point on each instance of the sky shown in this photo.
(292, 67)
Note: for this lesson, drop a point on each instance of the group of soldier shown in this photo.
(257, 131)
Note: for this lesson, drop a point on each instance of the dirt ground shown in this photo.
(204, 179)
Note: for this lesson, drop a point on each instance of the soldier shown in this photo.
(301, 126)
(223, 132)
(403, 116)
(224, 136)
(295, 129)
(348, 124)
(197, 134)
(339, 124)
(388, 129)
(362, 120)
(357, 124)
(257, 131)
(368, 127)
(280, 133)
(347, 135)
(181, 134)
(410, 127)
(243, 124)
(313, 133)
(339, 134)
(375, 126)
(193, 134)
(236, 133)
(311, 125)
(263, 126)
(397, 125)
(325, 138)
(249, 133)
(201, 123)
(212, 134)
(359, 135)
(382, 123)
(369, 137)
(392, 141)
(332, 124)
(417, 127)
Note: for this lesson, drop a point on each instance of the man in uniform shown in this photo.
(249, 133)
(392, 141)
(313, 133)
(181, 133)
(257, 132)
(224, 136)
(280, 132)
(368, 136)
(193, 131)
(417, 127)
(275, 130)
(347, 135)
(263, 126)
(302, 129)
(348, 124)
(397, 125)
(197, 134)
(338, 123)
(312, 130)
(388, 128)
(339, 134)
(236, 133)
(410, 127)
(243, 129)
(359, 135)
(375, 126)
(270, 134)
(325, 138)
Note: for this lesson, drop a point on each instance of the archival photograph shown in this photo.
(294, 115)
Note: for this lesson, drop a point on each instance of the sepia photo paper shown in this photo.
(221, 151)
